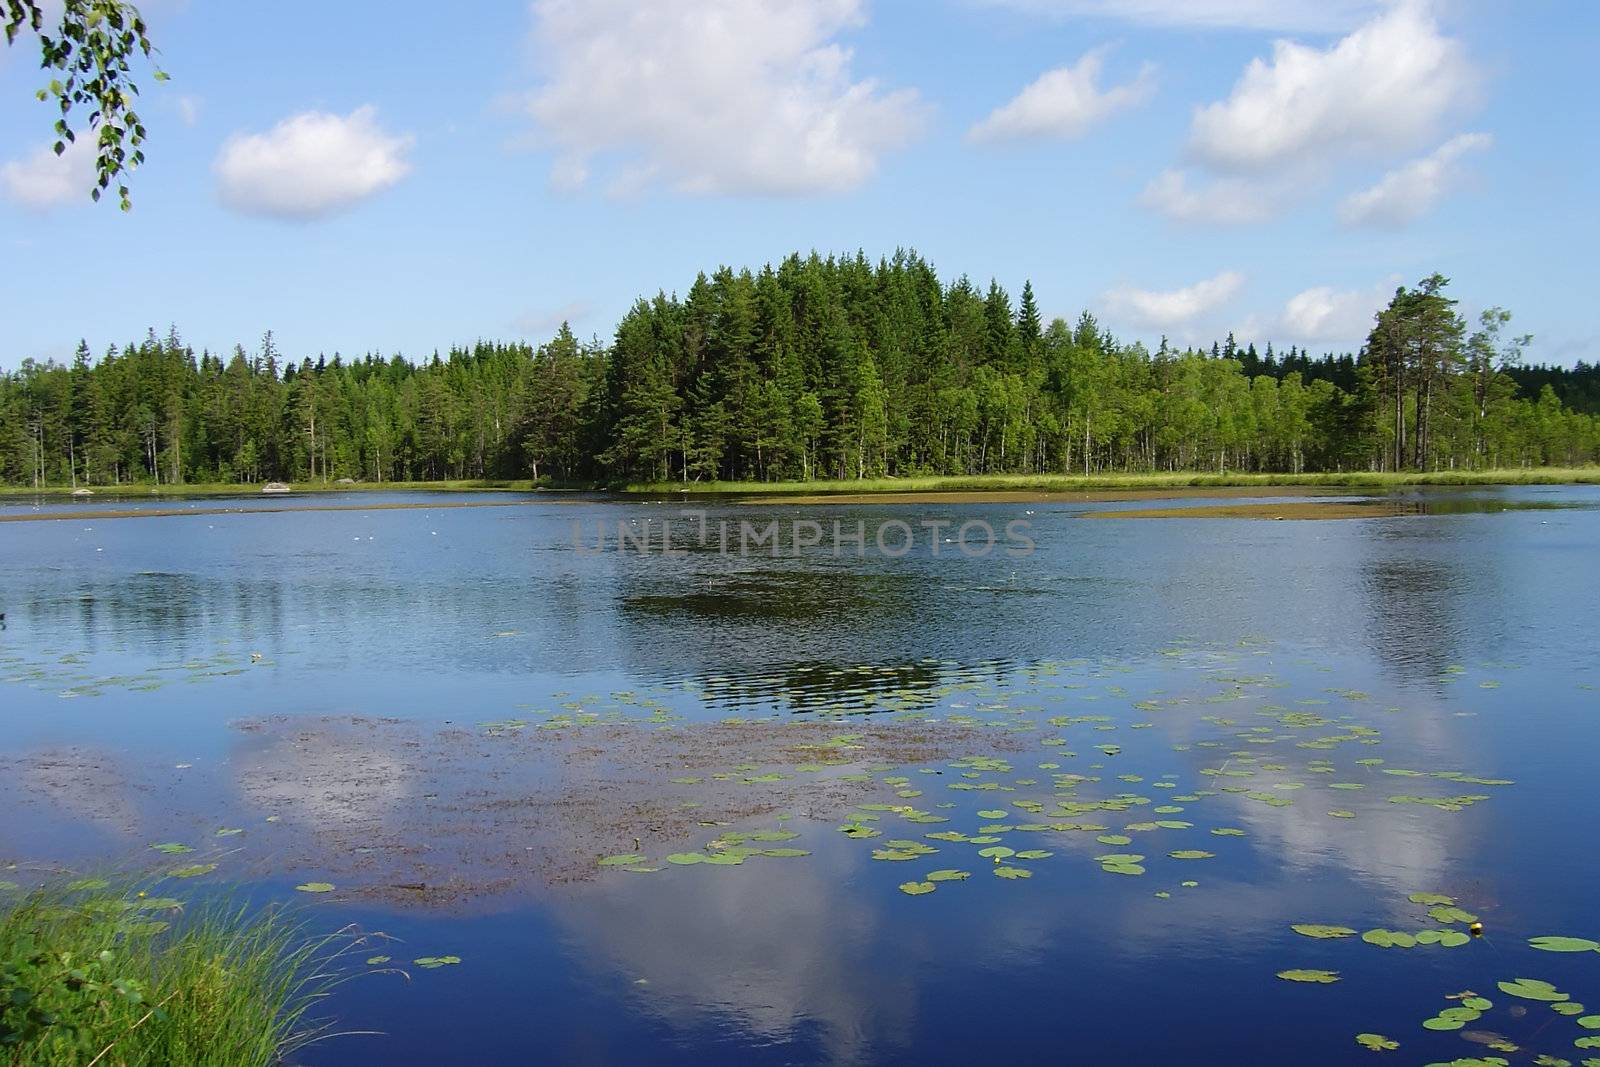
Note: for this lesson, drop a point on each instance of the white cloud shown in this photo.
(1324, 314)
(1385, 87)
(1407, 193)
(1312, 16)
(189, 109)
(43, 180)
(310, 165)
(1223, 202)
(1152, 309)
(713, 96)
(1064, 103)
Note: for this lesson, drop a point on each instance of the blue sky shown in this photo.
(372, 177)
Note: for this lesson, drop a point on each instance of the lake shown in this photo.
(1134, 756)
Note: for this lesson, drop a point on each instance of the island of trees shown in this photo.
(816, 368)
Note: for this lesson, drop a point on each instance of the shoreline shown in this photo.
(1020, 486)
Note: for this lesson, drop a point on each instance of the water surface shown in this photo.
(380, 682)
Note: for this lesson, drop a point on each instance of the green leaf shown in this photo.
(1377, 1042)
(1309, 975)
(193, 870)
(1317, 930)
(917, 889)
(435, 962)
(1564, 944)
(948, 876)
(1389, 939)
(1532, 989)
(626, 859)
(316, 887)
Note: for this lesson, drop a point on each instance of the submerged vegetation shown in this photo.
(92, 973)
(818, 368)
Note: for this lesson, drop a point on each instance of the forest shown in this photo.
(820, 367)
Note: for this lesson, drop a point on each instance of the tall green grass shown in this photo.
(1078, 483)
(102, 975)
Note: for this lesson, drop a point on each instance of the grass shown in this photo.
(91, 973)
(1047, 483)
(1077, 483)
(145, 490)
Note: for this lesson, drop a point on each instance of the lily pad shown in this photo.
(917, 889)
(1377, 1042)
(435, 962)
(1564, 944)
(626, 859)
(949, 876)
(1320, 931)
(1309, 975)
(1533, 989)
(1012, 872)
(1192, 854)
(193, 870)
(1389, 939)
(316, 887)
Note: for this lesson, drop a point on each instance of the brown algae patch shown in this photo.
(1040, 496)
(1289, 509)
(414, 814)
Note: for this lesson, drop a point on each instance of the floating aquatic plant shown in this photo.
(1311, 975)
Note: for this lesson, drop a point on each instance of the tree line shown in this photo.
(816, 368)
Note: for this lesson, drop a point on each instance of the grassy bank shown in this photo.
(1097, 483)
(932, 484)
(196, 490)
(91, 973)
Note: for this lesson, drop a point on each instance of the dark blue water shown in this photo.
(155, 670)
